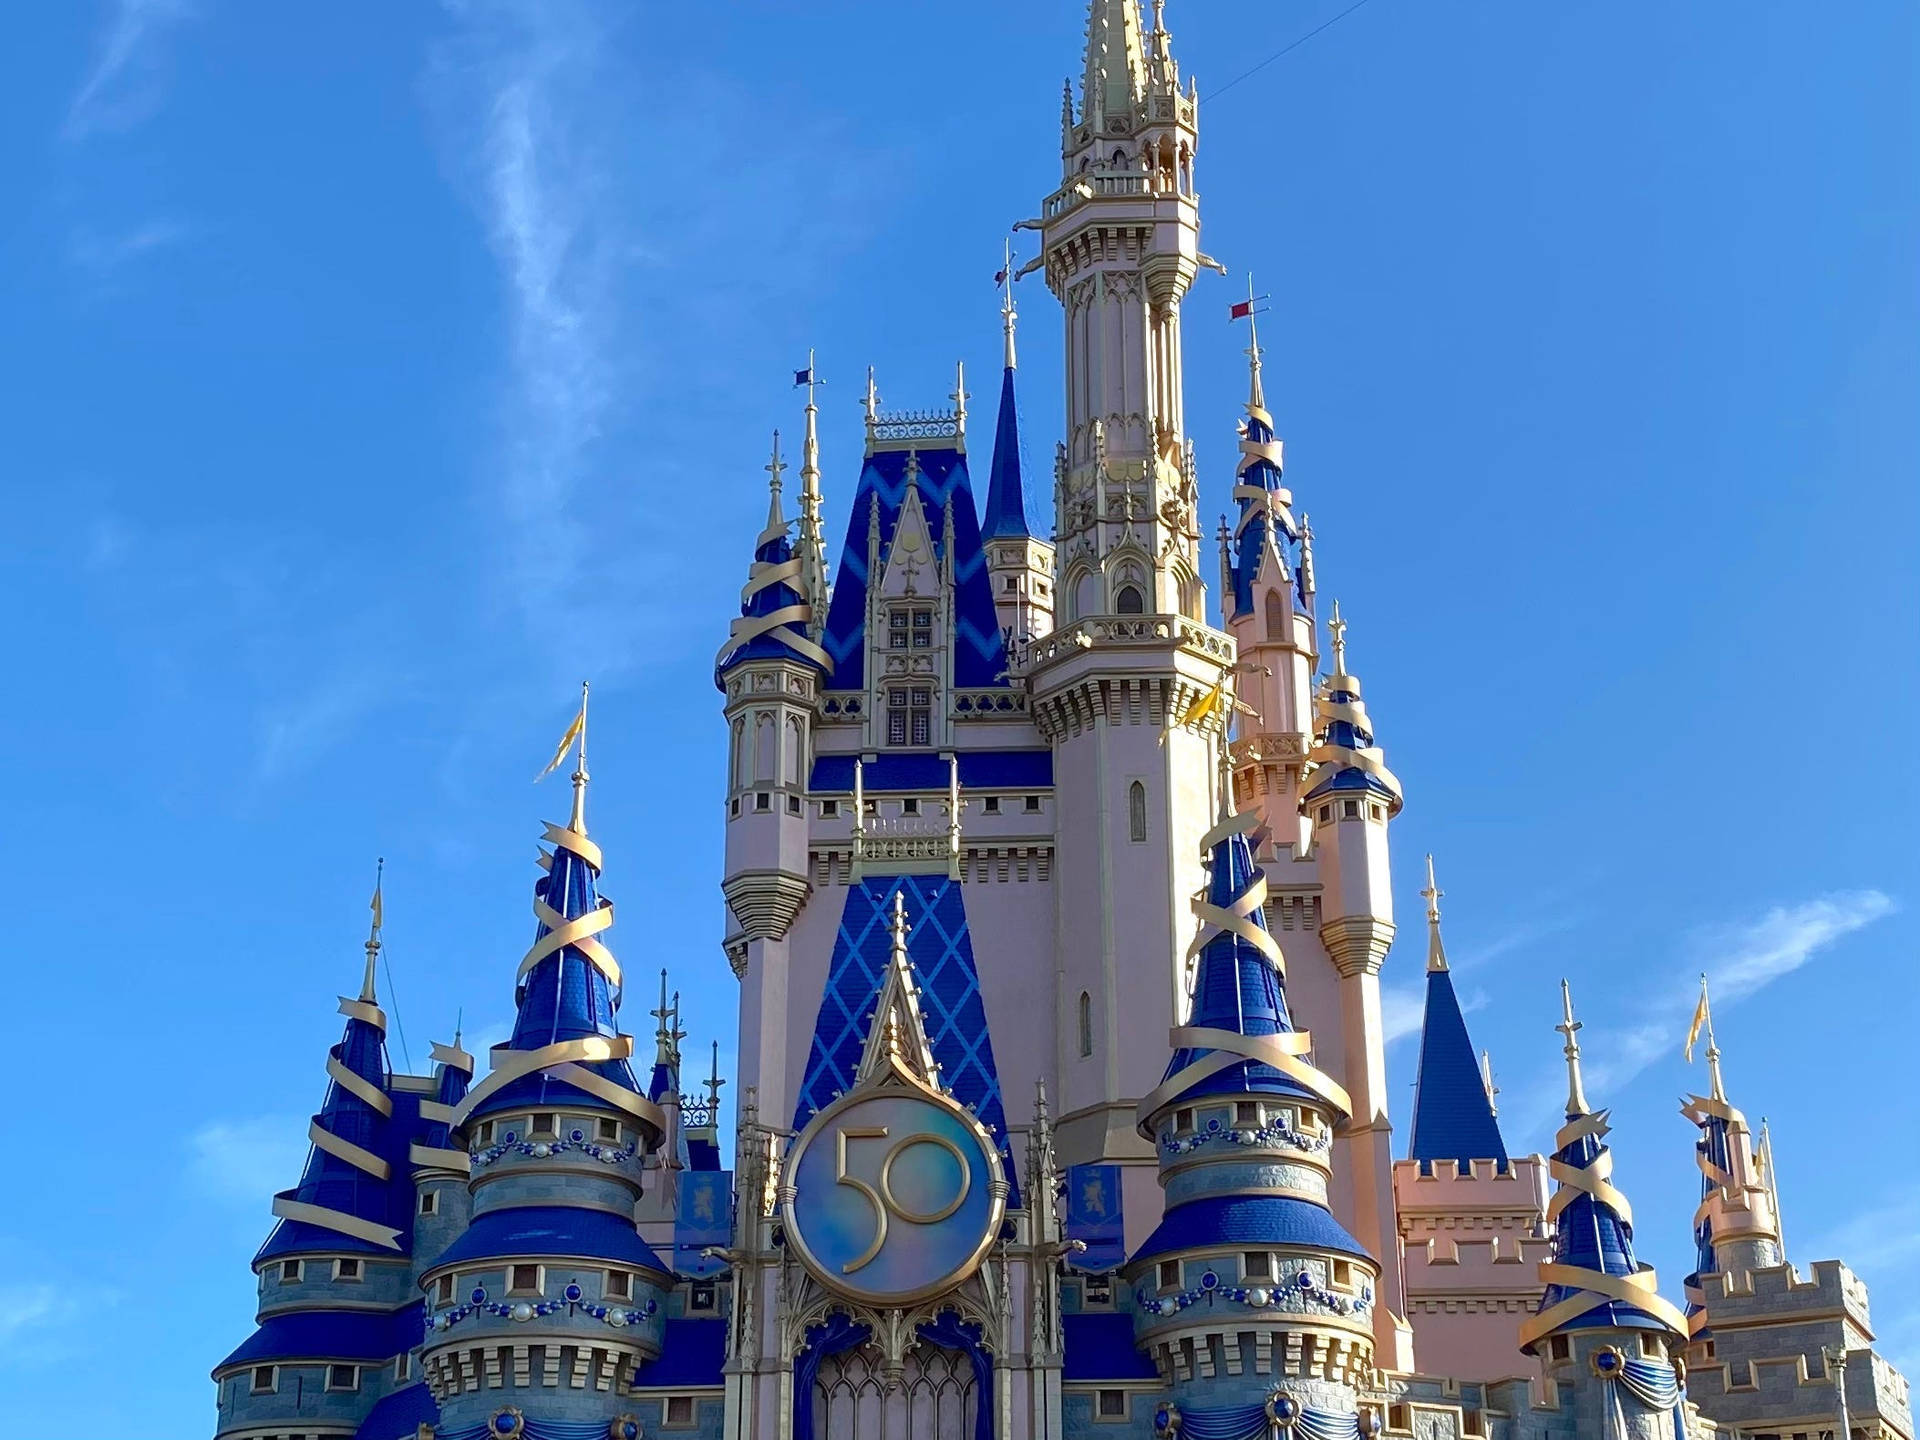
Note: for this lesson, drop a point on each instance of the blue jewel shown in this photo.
(479, 1296)
(572, 1292)
(576, 1136)
(1303, 1280)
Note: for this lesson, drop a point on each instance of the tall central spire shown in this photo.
(1116, 77)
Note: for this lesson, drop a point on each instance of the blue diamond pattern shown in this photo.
(950, 1004)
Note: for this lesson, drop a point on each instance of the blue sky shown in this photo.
(374, 372)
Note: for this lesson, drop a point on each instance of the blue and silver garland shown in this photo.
(542, 1149)
(617, 1316)
(1301, 1295)
(1275, 1133)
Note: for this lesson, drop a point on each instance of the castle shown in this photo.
(1057, 912)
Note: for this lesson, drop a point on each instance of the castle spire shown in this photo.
(1007, 312)
(776, 621)
(1593, 1281)
(1344, 755)
(812, 542)
(897, 1036)
(578, 822)
(1453, 1114)
(1116, 73)
(373, 932)
(1006, 510)
(1736, 1229)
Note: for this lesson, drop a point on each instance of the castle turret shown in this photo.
(1603, 1328)
(1351, 797)
(336, 1308)
(549, 1299)
(770, 671)
(1020, 564)
(1266, 596)
(442, 1166)
(1472, 1219)
(1249, 1296)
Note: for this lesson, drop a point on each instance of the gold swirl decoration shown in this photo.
(344, 1150)
(565, 1060)
(764, 575)
(1595, 1287)
(1284, 1052)
(1354, 712)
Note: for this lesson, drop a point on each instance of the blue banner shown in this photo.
(704, 1218)
(1094, 1216)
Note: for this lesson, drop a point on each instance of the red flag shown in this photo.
(1241, 310)
(999, 277)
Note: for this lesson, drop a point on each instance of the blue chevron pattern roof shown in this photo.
(956, 1018)
(979, 657)
(1452, 1117)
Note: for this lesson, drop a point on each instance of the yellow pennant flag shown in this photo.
(1699, 1019)
(566, 744)
(1201, 708)
(378, 914)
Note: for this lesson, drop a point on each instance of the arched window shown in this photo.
(1086, 592)
(1129, 601)
(1276, 617)
(1136, 812)
(1086, 1024)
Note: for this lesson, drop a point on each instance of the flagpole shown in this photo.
(578, 824)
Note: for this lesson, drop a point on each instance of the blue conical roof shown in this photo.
(1265, 519)
(1592, 1234)
(1006, 513)
(1453, 1118)
(1236, 986)
(774, 615)
(347, 1193)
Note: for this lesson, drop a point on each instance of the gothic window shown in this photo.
(791, 769)
(1129, 601)
(763, 740)
(910, 627)
(1276, 617)
(1086, 596)
(740, 776)
(910, 715)
(1136, 812)
(1086, 1024)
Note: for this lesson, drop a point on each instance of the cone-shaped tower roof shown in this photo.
(775, 614)
(1453, 1115)
(1265, 532)
(1344, 754)
(1006, 512)
(1593, 1281)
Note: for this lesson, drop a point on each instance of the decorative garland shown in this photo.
(1304, 1290)
(1274, 1133)
(523, 1310)
(541, 1149)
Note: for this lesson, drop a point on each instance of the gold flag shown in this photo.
(374, 905)
(1699, 1019)
(1201, 708)
(566, 744)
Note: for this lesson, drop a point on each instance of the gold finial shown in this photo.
(1256, 394)
(1337, 628)
(373, 930)
(1225, 765)
(1569, 1027)
(775, 468)
(1716, 1088)
(578, 824)
(1007, 312)
(1486, 1082)
(1436, 952)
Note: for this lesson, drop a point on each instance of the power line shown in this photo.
(1287, 49)
(393, 1000)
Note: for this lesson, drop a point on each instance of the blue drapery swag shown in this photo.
(838, 1333)
(1250, 1422)
(535, 1430)
(1654, 1385)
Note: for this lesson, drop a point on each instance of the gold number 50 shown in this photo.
(883, 1200)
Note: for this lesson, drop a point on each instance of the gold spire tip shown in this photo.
(1337, 628)
(1569, 1027)
(1436, 952)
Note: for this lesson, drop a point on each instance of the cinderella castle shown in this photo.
(1057, 899)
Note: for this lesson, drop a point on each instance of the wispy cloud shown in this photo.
(41, 1322)
(103, 255)
(246, 1161)
(1403, 1008)
(298, 730)
(127, 82)
(1877, 1243)
(1739, 959)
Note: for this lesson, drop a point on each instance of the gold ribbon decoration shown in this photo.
(337, 1221)
(361, 1089)
(763, 576)
(361, 1159)
(1591, 1179)
(564, 1058)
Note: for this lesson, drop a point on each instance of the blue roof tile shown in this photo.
(1229, 1220)
(1452, 1117)
(328, 1335)
(556, 1230)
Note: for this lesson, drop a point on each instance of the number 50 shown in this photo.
(882, 1199)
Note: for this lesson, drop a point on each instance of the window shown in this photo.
(1129, 601)
(619, 1285)
(1086, 1024)
(345, 1269)
(1349, 809)
(1343, 1274)
(1169, 1274)
(1246, 1112)
(523, 1280)
(1257, 1265)
(1376, 812)
(484, 1135)
(910, 628)
(1136, 812)
(403, 1367)
(910, 716)
(265, 1380)
(1276, 617)
(1557, 1347)
(1325, 814)
(443, 1290)
(1010, 584)
(829, 807)
(679, 1411)
(1399, 1417)
(343, 1377)
(1472, 1423)
(909, 807)
(543, 1125)
(762, 802)
(430, 1202)
(1650, 1343)
(991, 805)
(1097, 1292)
(1033, 804)
(1113, 1404)
(608, 1129)
(733, 806)
(793, 804)
(700, 1298)
(289, 1272)
(1183, 1120)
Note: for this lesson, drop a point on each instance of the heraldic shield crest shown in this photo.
(894, 1193)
